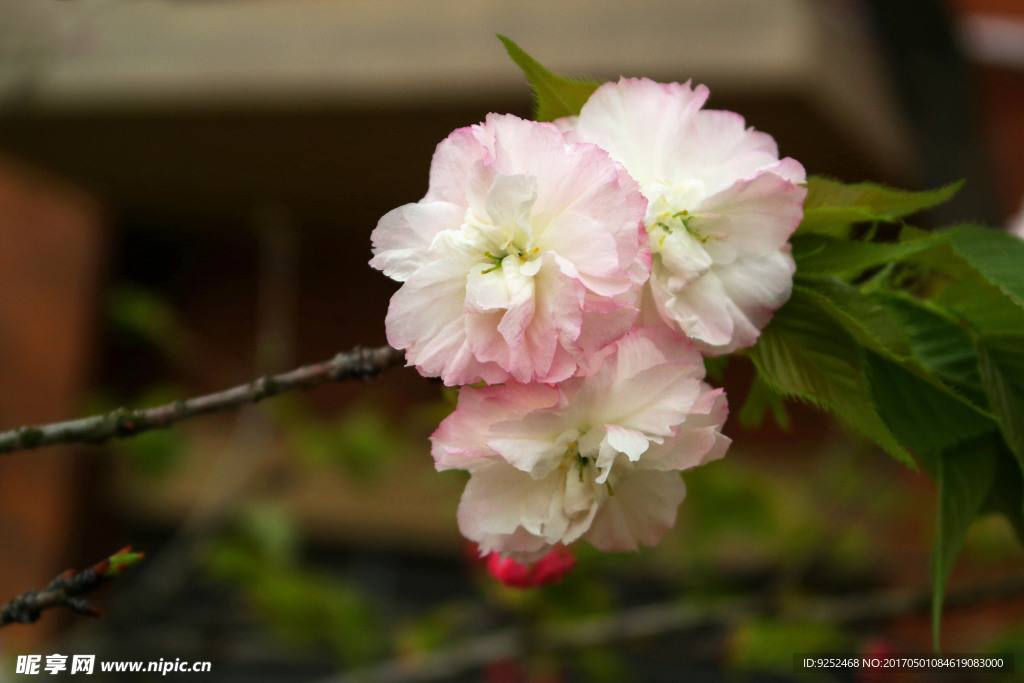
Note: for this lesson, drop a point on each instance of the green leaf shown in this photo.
(557, 96)
(883, 203)
(760, 400)
(832, 220)
(869, 321)
(997, 255)
(984, 307)
(831, 206)
(827, 255)
(943, 348)
(1001, 364)
(805, 353)
(964, 478)
(922, 416)
(1006, 496)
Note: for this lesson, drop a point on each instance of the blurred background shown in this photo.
(186, 195)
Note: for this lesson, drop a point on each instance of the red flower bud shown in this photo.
(549, 569)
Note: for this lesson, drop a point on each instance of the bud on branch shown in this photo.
(66, 590)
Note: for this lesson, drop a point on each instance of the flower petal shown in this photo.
(641, 511)
(641, 123)
(479, 418)
(753, 217)
(403, 236)
(718, 195)
(525, 239)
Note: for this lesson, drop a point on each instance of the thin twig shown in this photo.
(356, 364)
(66, 590)
(659, 619)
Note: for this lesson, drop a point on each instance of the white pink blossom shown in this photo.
(721, 206)
(526, 256)
(597, 456)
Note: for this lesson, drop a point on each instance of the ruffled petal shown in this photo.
(642, 124)
(403, 236)
(454, 161)
(719, 196)
(641, 511)
(499, 499)
(698, 440)
(535, 255)
(479, 418)
(754, 289)
(698, 309)
(720, 149)
(753, 217)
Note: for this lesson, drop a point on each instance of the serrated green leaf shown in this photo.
(832, 220)
(922, 416)
(1001, 364)
(869, 321)
(805, 353)
(942, 348)
(556, 96)
(817, 254)
(883, 203)
(984, 307)
(1006, 497)
(964, 478)
(832, 207)
(996, 255)
(943, 260)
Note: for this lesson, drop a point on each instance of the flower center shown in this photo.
(669, 223)
(583, 469)
(674, 228)
(669, 210)
(500, 226)
(524, 255)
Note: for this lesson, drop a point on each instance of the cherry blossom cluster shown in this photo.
(574, 274)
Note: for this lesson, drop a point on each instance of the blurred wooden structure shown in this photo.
(51, 251)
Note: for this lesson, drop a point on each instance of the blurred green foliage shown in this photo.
(361, 442)
(1011, 642)
(260, 557)
(769, 644)
(147, 315)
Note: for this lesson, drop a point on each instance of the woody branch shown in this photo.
(66, 590)
(356, 364)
